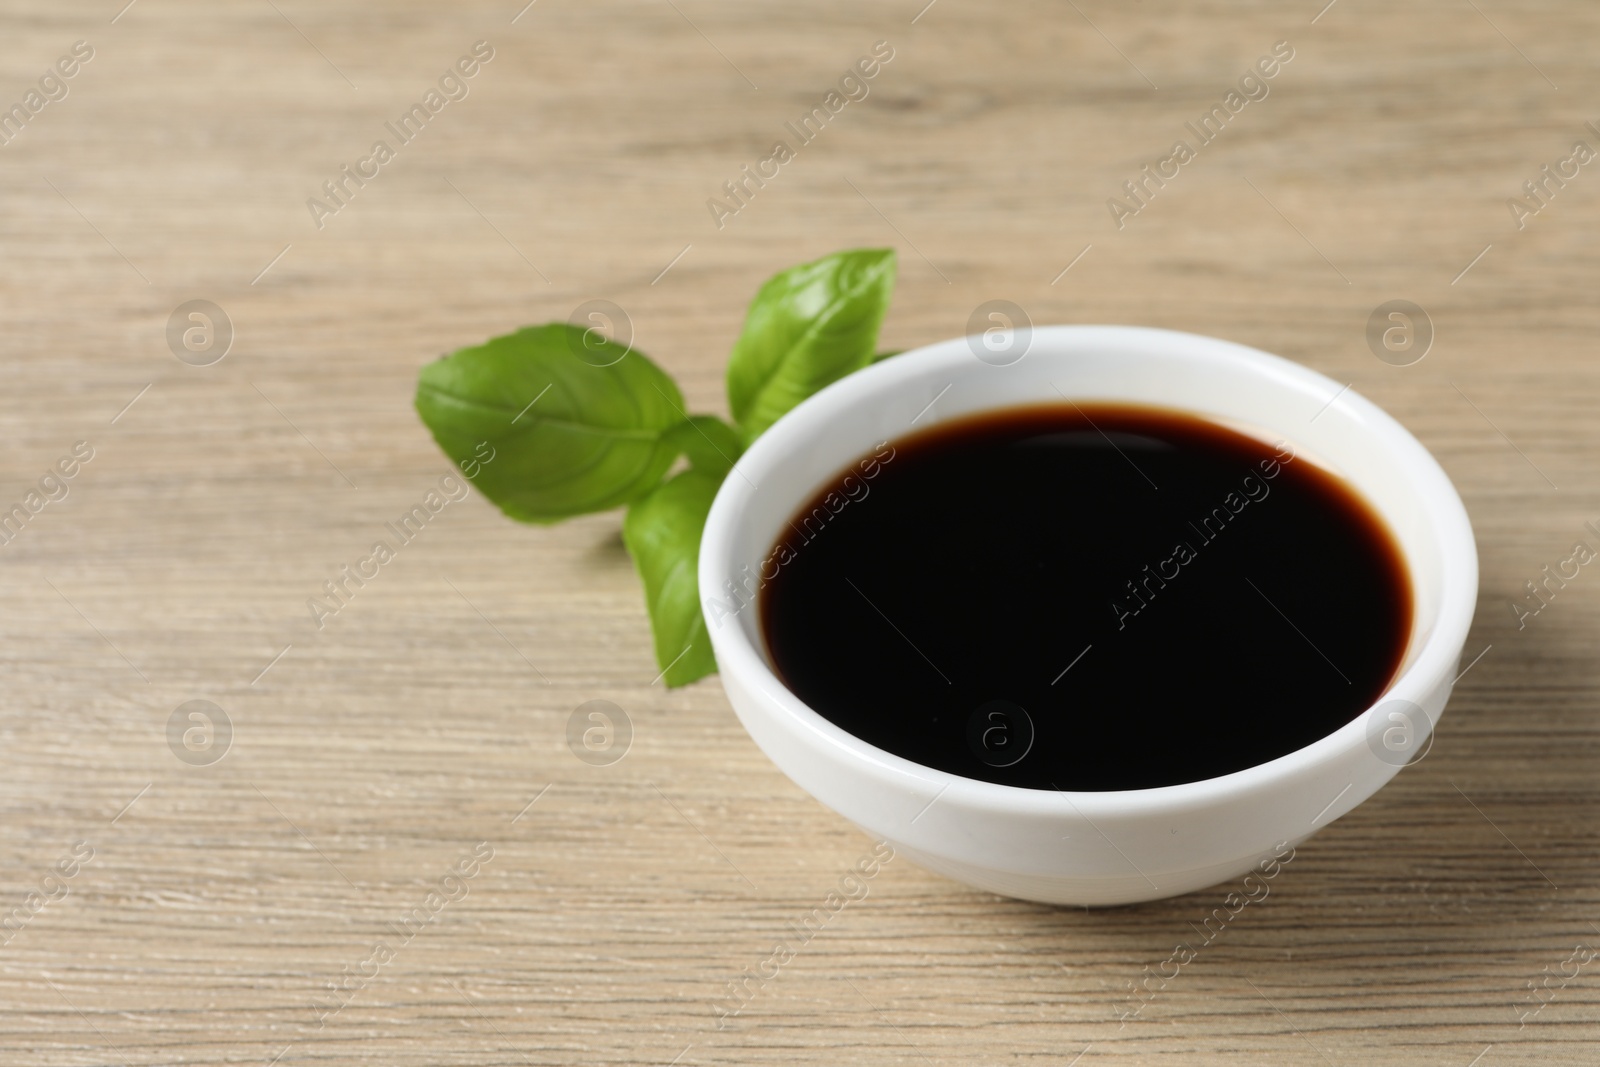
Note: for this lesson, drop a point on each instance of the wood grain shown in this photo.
(370, 757)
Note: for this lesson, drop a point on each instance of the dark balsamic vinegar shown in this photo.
(1087, 597)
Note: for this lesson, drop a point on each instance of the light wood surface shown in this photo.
(369, 758)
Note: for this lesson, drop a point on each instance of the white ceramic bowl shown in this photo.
(1092, 847)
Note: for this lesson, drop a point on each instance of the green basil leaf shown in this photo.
(808, 327)
(571, 422)
(662, 532)
(881, 356)
(711, 444)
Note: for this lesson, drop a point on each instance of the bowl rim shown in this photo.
(1433, 665)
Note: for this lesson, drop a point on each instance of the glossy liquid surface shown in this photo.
(1087, 597)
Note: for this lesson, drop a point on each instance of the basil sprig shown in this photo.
(580, 424)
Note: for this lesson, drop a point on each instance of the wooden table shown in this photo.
(211, 905)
